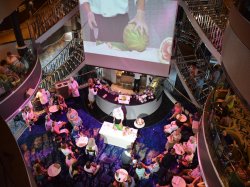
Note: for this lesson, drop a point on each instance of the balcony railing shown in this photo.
(49, 14)
(18, 96)
(212, 17)
(15, 76)
(64, 64)
(224, 164)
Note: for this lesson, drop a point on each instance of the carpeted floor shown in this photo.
(151, 140)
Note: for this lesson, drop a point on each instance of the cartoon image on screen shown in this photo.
(136, 29)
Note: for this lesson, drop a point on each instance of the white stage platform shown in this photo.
(117, 137)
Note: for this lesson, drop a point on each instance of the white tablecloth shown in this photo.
(116, 137)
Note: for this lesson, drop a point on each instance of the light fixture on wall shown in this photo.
(68, 36)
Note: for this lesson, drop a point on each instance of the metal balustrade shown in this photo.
(64, 64)
(48, 15)
(212, 17)
(60, 58)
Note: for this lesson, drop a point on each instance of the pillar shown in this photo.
(21, 47)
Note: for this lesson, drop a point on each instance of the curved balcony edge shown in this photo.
(208, 169)
(12, 164)
(11, 105)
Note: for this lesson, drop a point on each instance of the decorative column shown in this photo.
(21, 47)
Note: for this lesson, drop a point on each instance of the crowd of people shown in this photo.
(176, 165)
(11, 70)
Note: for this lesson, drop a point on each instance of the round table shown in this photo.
(53, 108)
(178, 181)
(181, 117)
(54, 170)
(82, 141)
(139, 126)
(121, 175)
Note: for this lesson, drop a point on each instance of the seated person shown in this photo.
(91, 148)
(141, 172)
(191, 174)
(92, 168)
(70, 160)
(118, 118)
(154, 167)
(186, 160)
(190, 145)
(174, 138)
(66, 150)
(73, 117)
(56, 126)
(61, 102)
(168, 129)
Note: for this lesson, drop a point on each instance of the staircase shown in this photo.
(212, 16)
(49, 14)
(66, 63)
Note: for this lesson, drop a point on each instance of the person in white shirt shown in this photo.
(118, 116)
(74, 91)
(112, 15)
(43, 96)
(91, 95)
(137, 82)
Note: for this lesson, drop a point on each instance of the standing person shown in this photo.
(137, 82)
(105, 16)
(73, 117)
(43, 97)
(74, 90)
(118, 116)
(91, 95)
(91, 149)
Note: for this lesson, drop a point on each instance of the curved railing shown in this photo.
(60, 58)
(222, 164)
(18, 97)
(63, 67)
(49, 14)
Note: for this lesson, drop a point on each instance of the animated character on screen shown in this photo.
(109, 22)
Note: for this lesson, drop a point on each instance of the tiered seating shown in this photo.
(212, 17)
(49, 14)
